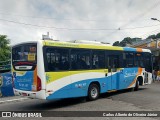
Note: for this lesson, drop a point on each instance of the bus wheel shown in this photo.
(137, 86)
(93, 92)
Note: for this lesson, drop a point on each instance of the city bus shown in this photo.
(5, 66)
(6, 88)
(50, 69)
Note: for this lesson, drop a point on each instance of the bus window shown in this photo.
(80, 59)
(148, 62)
(57, 59)
(128, 59)
(98, 59)
(113, 61)
(24, 57)
(5, 66)
(139, 60)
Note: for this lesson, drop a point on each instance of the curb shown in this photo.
(13, 100)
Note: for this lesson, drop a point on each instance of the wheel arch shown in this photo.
(97, 83)
(140, 79)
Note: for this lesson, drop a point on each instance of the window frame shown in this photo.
(104, 56)
(125, 61)
(121, 63)
(45, 58)
(33, 63)
(81, 49)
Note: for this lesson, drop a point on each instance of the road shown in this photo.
(146, 99)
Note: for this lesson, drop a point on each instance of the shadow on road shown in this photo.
(53, 104)
(48, 105)
(109, 95)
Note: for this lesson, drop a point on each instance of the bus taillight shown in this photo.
(39, 86)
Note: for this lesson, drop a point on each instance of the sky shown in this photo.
(100, 20)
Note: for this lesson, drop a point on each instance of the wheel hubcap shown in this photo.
(94, 92)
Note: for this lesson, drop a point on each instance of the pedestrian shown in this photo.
(158, 75)
(153, 75)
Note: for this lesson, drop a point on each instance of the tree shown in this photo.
(5, 50)
(158, 35)
(126, 41)
(129, 41)
(151, 37)
(116, 43)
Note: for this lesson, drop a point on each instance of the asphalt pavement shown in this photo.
(146, 99)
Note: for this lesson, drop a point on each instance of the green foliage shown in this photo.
(116, 43)
(126, 41)
(5, 50)
(151, 37)
(158, 35)
(154, 36)
(130, 41)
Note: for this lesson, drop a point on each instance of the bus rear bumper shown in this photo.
(31, 94)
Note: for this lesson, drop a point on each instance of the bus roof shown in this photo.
(91, 46)
(84, 45)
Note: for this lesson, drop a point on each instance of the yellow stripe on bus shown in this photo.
(52, 76)
(76, 45)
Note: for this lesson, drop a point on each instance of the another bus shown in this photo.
(5, 66)
(6, 88)
(49, 69)
(5, 69)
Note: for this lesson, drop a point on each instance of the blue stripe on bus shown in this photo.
(129, 49)
(79, 89)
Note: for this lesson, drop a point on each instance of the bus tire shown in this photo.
(93, 92)
(137, 86)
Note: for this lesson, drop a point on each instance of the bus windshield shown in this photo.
(24, 55)
(5, 66)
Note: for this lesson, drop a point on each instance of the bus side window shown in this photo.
(113, 63)
(73, 61)
(139, 61)
(80, 59)
(57, 59)
(98, 59)
(148, 62)
(128, 59)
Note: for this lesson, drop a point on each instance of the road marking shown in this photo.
(12, 100)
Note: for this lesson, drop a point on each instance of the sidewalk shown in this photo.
(12, 99)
